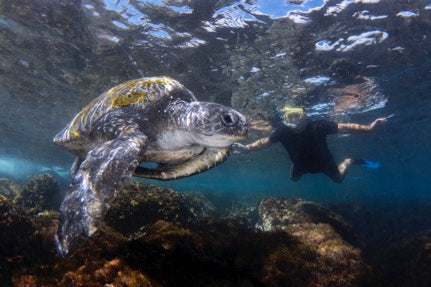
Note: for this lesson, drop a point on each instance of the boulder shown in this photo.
(9, 188)
(21, 244)
(334, 260)
(139, 204)
(39, 194)
(406, 262)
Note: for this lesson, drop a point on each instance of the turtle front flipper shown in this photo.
(76, 164)
(208, 159)
(94, 186)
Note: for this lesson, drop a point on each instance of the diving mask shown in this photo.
(293, 117)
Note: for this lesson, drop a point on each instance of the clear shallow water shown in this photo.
(252, 55)
(343, 60)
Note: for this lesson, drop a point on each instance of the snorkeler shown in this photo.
(305, 141)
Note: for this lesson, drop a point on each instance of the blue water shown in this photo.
(401, 146)
(54, 64)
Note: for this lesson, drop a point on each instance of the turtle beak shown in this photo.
(243, 127)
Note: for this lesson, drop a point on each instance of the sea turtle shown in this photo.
(153, 119)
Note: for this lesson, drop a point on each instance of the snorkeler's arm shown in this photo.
(352, 127)
(275, 136)
(260, 143)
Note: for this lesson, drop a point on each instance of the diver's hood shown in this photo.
(294, 117)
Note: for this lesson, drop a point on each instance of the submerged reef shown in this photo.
(406, 262)
(9, 188)
(155, 236)
(135, 208)
(39, 194)
(395, 240)
(319, 229)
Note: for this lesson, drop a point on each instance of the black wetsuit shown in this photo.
(308, 149)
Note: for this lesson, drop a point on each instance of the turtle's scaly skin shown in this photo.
(150, 119)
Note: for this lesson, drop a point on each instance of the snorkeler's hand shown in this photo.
(378, 121)
(239, 148)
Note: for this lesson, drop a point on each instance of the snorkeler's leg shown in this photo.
(295, 173)
(338, 173)
(344, 166)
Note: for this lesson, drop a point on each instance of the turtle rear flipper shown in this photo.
(208, 159)
(95, 185)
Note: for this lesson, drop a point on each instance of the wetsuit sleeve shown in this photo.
(276, 135)
(328, 127)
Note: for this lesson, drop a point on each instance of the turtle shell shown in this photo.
(140, 94)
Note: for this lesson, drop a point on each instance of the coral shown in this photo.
(39, 194)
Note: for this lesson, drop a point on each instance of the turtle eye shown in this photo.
(228, 119)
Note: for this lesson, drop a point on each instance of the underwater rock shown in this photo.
(22, 244)
(395, 239)
(240, 211)
(39, 194)
(9, 188)
(299, 247)
(384, 224)
(279, 213)
(209, 253)
(321, 230)
(199, 205)
(225, 252)
(139, 204)
(15, 227)
(94, 273)
(111, 273)
(46, 224)
(169, 244)
(406, 262)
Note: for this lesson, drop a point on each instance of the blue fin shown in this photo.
(370, 164)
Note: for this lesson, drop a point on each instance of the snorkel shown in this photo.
(294, 117)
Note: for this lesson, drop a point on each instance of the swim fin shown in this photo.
(370, 164)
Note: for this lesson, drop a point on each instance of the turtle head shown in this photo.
(214, 125)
